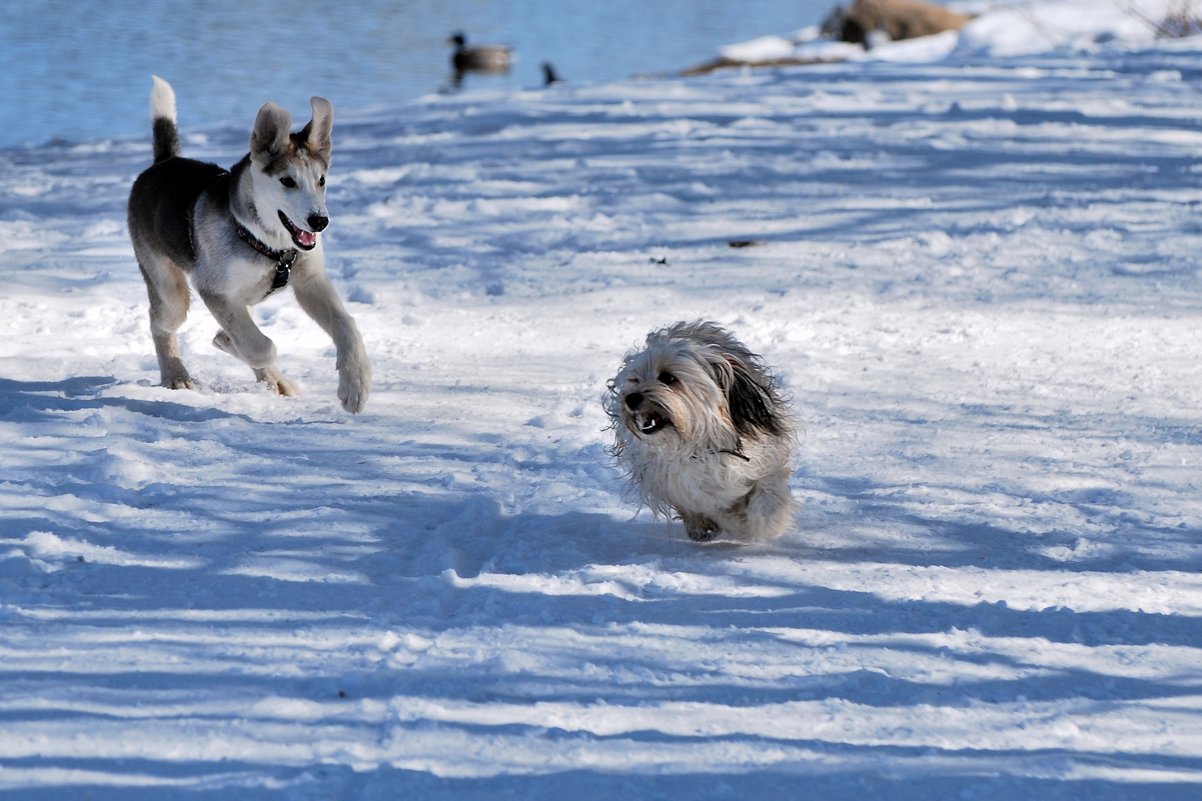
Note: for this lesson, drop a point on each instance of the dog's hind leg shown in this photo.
(770, 507)
(167, 286)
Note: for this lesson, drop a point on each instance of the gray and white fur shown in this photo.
(705, 434)
(184, 221)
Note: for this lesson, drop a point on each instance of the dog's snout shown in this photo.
(634, 400)
(318, 222)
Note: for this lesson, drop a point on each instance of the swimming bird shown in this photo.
(479, 58)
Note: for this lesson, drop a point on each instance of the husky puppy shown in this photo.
(241, 234)
(706, 436)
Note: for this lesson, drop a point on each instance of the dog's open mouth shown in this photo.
(305, 240)
(651, 422)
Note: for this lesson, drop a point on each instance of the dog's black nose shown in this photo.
(318, 222)
(634, 400)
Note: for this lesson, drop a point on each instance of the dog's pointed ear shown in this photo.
(753, 406)
(270, 135)
(316, 133)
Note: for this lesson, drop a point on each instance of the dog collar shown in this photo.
(283, 258)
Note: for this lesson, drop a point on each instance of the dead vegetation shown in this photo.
(1183, 20)
(894, 19)
(864, 22)
(858, 23)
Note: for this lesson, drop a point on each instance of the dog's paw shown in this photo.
(282, 386)
(258, 352)
(700, 528)
(176, 377)
(223, 342)
(179, 382)
(276, 382)
(354, 384)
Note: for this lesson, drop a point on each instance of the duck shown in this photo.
(479, 58)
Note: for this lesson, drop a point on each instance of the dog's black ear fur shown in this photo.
(270, 135)
(753, 405)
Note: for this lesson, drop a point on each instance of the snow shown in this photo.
(999, 29)
(977, 277)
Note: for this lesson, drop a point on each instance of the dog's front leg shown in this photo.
(317, 297)
(273, 378)
(242, 339)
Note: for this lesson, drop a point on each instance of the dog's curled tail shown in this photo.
(162, 117)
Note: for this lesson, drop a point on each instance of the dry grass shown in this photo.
(1183, 19)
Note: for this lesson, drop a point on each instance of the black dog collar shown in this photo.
(283, 258)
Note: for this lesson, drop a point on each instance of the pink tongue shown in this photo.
(306, 238)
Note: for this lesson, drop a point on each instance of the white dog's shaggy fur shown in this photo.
(704, 432)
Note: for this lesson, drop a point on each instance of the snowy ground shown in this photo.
(978, 278)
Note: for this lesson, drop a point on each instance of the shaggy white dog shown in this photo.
(704, 432)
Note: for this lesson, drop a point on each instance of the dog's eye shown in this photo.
(667, 378)
(321, 181)
(288, 181)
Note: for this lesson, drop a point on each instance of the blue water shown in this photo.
(79, 70)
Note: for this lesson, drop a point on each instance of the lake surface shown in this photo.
(78, 70)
